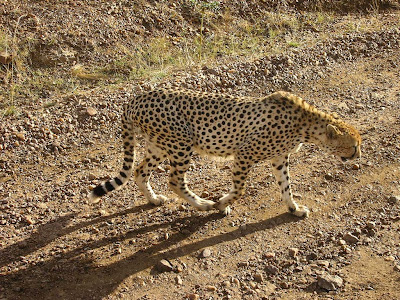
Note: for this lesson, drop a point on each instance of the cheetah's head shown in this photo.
(343, 140)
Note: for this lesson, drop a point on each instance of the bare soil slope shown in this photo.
(55, 245)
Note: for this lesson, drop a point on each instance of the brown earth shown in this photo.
(55, 245)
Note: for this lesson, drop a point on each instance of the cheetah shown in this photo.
(177, 122)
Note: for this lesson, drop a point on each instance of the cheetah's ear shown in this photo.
(332, 131)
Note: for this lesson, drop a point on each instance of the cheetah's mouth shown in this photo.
(344, 159)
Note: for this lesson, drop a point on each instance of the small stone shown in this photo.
(328, 176)
(343, 106)
(351, 239)
(103, 213)
(397, 268)
(164, 266)
(20, 136)
(271, 269)
(193, 296)
(371, 225)
(5, 57)
(258, 277)
(269, 255)
(355, 167)
(394, 199)
(211, 288)
(91, 176)
(29, 220)
(367, 240)
(178, 280)
(293, 252)
(390, 258)
(91, 111)
(329, 282)
(243, 264)
(42, 205)
(205, 253)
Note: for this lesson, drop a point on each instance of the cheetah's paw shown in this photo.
(158, 200)
(223, 208)
(203, 204)
(301, 211)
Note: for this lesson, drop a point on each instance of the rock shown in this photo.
(269, 255)
(178, 280)
(271, 269)
(293, 252)
(329, 282)
(164, 266)
(258, 277)
(210, 288)
(343, 106)
(20, 136)
(205, 253)
(5, 58)
(371, 225)
(351, 239)
(355, 167)
(29, 220)
(328, 176)
(397, 268)
(91, 111)
(394, 199)
(193, 296)
(91, 176)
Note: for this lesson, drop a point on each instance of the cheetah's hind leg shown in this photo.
(144, 171)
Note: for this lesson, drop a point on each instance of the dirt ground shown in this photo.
(55, 245)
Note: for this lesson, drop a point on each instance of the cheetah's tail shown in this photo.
(128, 136)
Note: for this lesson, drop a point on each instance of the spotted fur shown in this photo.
(177, 122)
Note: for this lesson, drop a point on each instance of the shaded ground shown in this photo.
(55, 245)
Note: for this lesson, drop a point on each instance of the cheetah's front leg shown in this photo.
(280, 167)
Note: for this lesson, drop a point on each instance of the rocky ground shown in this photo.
(54, 244)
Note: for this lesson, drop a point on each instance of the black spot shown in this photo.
(99, 191)
(109, 186)
(118, 181)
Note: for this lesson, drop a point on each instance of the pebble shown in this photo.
(271, 269)
(164, 266)
(371, 225)
(210, 288)
(20, 136)
(329, 282)
(293, 252)
(193, 296)
(29, 220)
(355, 167)
(178, 280)
(91, 111)
(351, 239)
(258, 277)
(269, 255)
(205, 253)
(394, 199)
